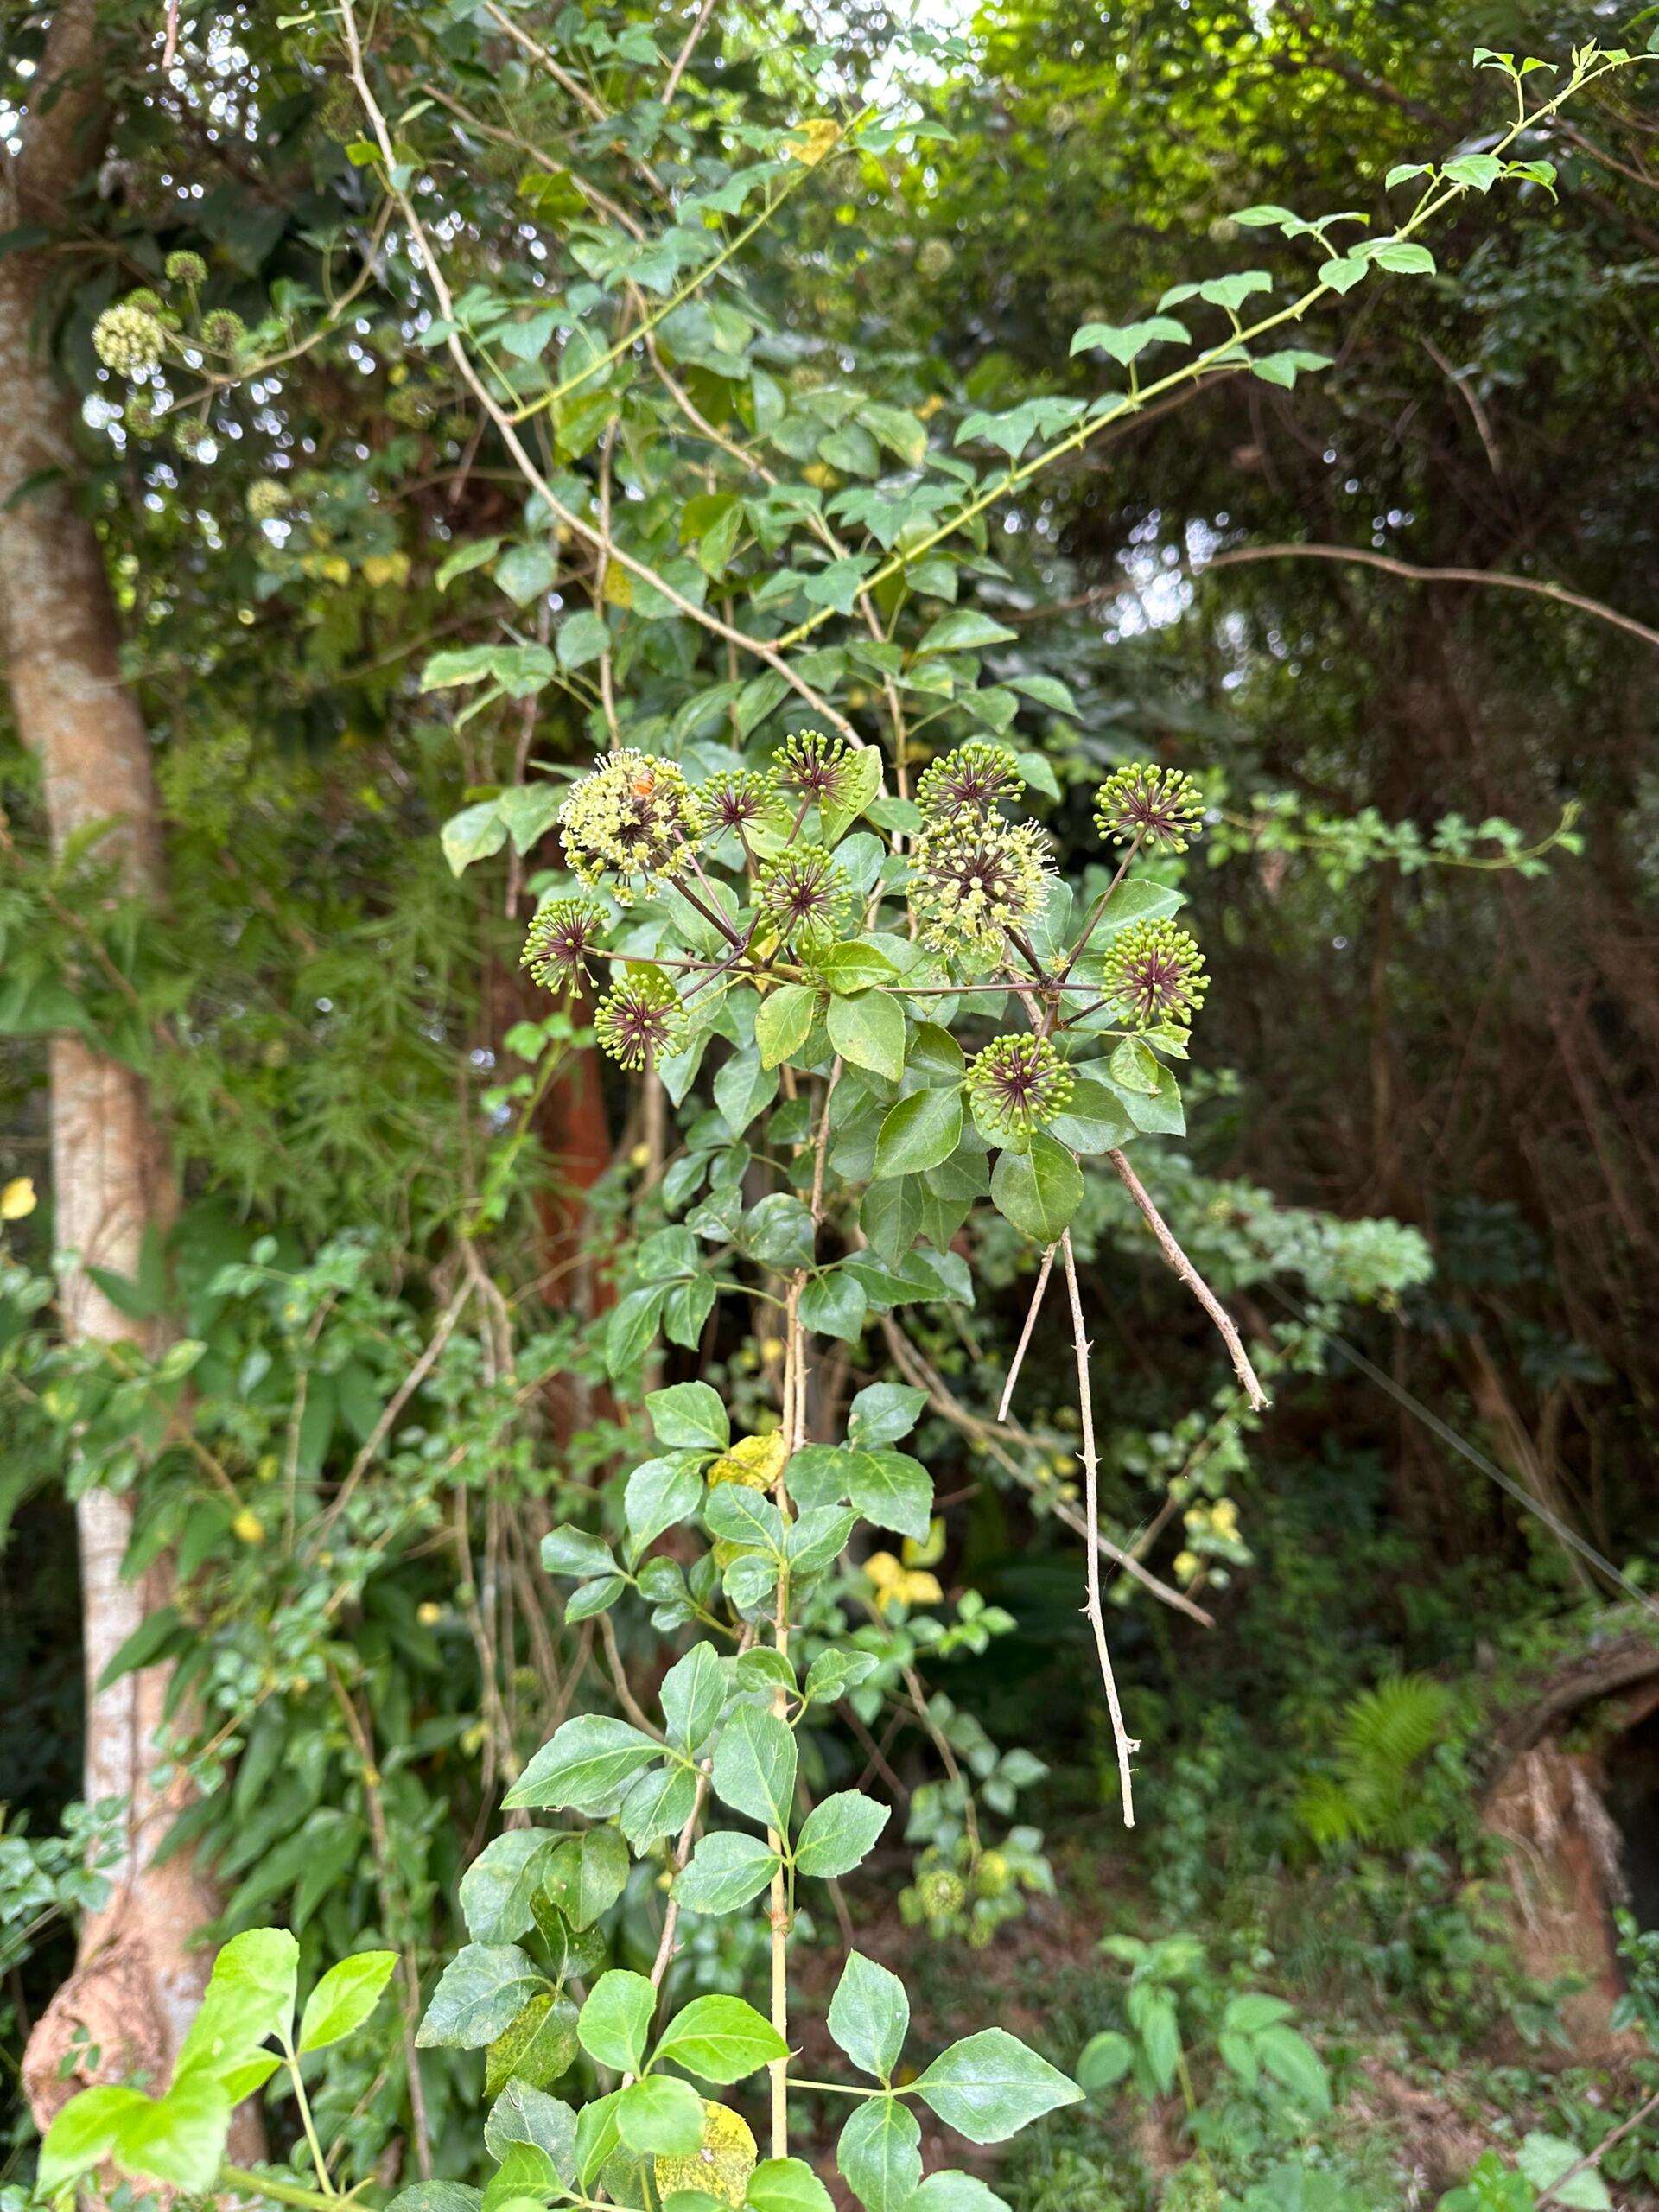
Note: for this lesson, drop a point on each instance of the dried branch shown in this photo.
(1127, 1744)
(1194, 1282)
(1043, 1274)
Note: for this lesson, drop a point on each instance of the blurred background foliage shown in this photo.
(1424, 1116)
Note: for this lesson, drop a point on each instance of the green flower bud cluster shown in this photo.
(184, 267)
(223, 331)
(813, 767)
(738, 798)
(1143, 804)
(807, 895)
(129, 339)
(973, 779)
(562, 939)
(634, 817)
(268, 497)
(1154, 974)
(972, 881)
(639, 1018)
(1018, 1083)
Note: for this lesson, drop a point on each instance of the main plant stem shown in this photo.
(793, 1426)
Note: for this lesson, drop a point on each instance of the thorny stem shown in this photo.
(1127, 1744)
(1194, 1282)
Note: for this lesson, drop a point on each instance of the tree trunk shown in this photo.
(137, 1982)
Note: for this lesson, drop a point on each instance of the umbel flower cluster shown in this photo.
(976, 882)
(633, 819)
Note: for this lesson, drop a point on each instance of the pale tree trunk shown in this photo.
(139, 1982)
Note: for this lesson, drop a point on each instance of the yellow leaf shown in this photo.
(722, 2168)
(755, 1462)
(618, 586)
(809, 142)
(18, 1200)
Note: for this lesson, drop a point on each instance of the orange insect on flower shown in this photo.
(644, 785)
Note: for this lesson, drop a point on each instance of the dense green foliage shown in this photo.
(806, 431)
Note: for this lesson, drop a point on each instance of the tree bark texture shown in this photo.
(139, 1980)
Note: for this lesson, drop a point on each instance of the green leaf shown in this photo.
(839, 1835)
(660, 2116)
(1544, 2158)
(727, 1868)
(660, 1494)
(989, 2085)
(524, 2115)
(833, 1673)
(179, 2138)
(1127, 341)
(891, 1489)
(919, 1132)
(868, 1030)
(483, 1989)
(743, 1087)
(249, 1996)
(524, 572)
(1284, 367)
(1103, 2060)
(834, 1304)
(614, 2024)
(82, 2133)
(633, 1327)
(849, 968)
(782, 1025)
(879, 2155)
(582, 637)
(1248, 2014)
(1294, 2062)
(1342, 272)
(1404, 256)
(146, 1644)
(1152, 2012)
(472, 835)
(720, 2039)
(689, 1416)
(497, 1888)
(344, 1996)
(861, 781)
(1095, 1121)
(787, 2185)
(754, 1767)
(819, 1539)
(883, 1413)
(737, 1515)
(538, 2046)
(584, 1766)
(949, 2190)
(1038, 1190)
(965, 630)
(869, 2015)
(466, 557)
(1134, 1067)
(898, 429)
(586, 1874)
(692, 1696)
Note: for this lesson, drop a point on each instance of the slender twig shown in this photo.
(1541, 587)
(683, 59)
(1591, 2159)
(1127, 1744)
(1194, 1282)
(630, 1704)
(916, 1370)
(394, 1405)
(1025, 1334)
